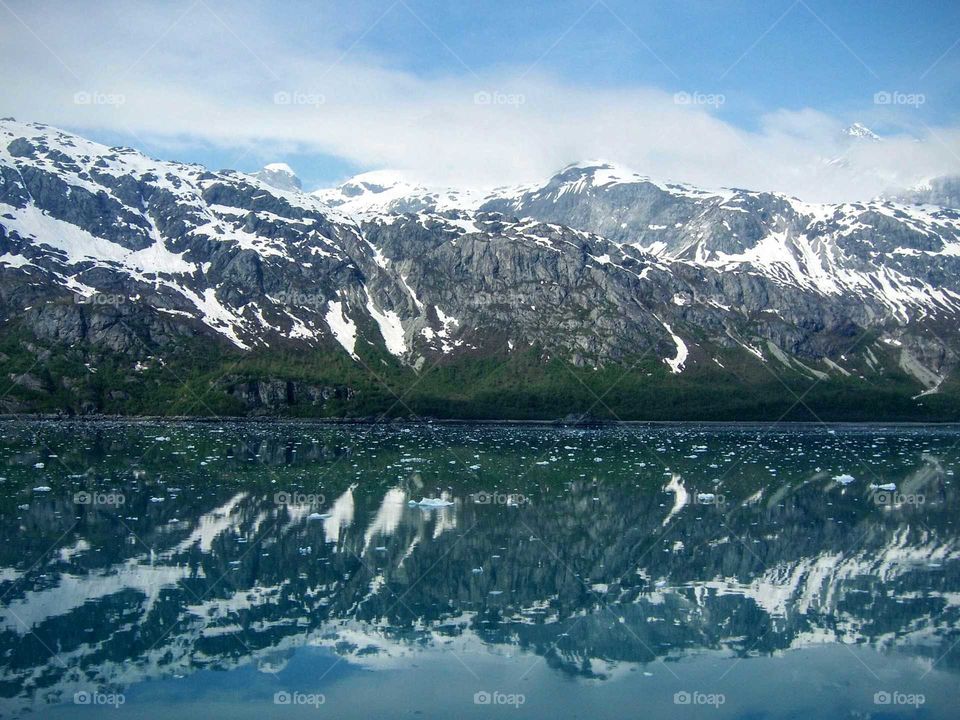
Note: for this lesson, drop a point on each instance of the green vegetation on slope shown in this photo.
(202, 378)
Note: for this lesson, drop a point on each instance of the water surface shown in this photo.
(645, 571)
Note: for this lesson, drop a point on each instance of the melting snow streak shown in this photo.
(390, 328)
(676, 363)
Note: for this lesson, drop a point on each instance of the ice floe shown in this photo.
(431, 503)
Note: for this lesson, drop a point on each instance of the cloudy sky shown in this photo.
(483, 93)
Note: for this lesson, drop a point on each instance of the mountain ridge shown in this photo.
(105, 250)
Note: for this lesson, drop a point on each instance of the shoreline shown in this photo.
(373, 421)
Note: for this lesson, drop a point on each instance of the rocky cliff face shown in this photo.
(104, 247)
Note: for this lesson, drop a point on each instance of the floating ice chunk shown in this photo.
(434, 502)
(889, 487)
(844, 479)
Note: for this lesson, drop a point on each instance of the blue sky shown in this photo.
(826, 55)
(591, 75)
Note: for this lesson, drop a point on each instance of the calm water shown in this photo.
(248, 571)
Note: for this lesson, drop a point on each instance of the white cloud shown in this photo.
(199, 83)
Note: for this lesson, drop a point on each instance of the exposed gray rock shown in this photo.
(270, 395)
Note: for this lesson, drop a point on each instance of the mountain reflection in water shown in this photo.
(163, 551)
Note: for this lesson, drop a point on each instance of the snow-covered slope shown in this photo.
(383, 192)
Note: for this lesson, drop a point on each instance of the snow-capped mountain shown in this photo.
(280, 176)
(861, 131)
(596, 265)
(384, 191)
(880, 249)
(851, 138)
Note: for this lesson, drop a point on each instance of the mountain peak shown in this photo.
(279, 175)
(861, 131)
(279, 167)
(370, 191)
(375, 182)
(589, 164)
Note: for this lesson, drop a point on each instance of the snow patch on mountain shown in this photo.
(343, 328)
(677, 362)
(77, 245)
(391, 328)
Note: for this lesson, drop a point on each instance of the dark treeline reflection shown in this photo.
(137, 551)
